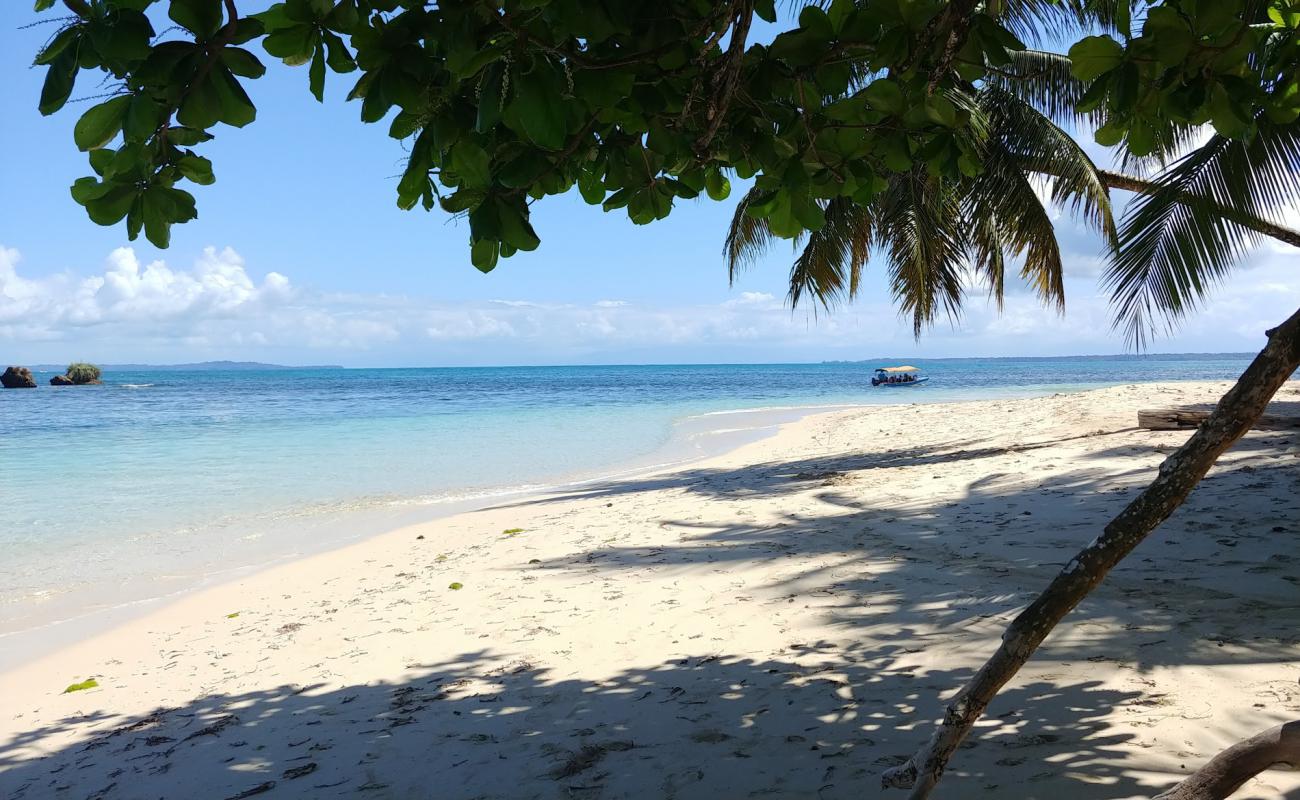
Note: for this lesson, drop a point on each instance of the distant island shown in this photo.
(200, 366)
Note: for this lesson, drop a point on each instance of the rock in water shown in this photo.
(61, 380)
(18, 378)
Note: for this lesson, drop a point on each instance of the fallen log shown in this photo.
(1174, 419)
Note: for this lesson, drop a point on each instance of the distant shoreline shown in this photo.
(195, 367)
(258, 365)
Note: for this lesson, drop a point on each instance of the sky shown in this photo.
(300, 256)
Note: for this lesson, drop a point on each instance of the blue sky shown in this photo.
(300, 255)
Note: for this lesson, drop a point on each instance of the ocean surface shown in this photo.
(161, 480)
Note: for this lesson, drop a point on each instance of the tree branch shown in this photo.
(1131, 183)
(1229, 770)
(1235, 414)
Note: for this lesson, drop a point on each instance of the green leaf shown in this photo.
(884, 95)
(717, 185)
(236, 108)
(242, 63)
(540, 105)
(316, 74)
(1110, 134)
(293, 45)
(456, 585)
(201, 107)
(483, 254)
(471, 163)
(338, 58)
(101, 124)
(143, 117)
(590, 186)
(489, 98)
(196, 168)
(91, 683)
(58, 44)
(1093, 56)
(59, 80)
(516, 230)
(200, 17)
(766, 10)
(111, 205)
(41, 5)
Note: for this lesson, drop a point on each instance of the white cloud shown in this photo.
(218, 308)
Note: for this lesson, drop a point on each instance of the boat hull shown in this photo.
(916, 382)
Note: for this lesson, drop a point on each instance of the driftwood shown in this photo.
(1172, 419)
(1229, 770)
(1235, 414)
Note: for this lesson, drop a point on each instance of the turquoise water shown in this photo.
(159, 479)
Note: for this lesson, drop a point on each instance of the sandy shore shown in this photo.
(781, 621)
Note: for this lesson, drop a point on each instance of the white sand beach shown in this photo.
(782, 621)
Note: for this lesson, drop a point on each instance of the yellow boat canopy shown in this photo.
(897, 369)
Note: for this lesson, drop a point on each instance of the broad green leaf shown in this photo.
(590, 186)
(483, 254)
(112, 205)
(1092, 56)
(516, 230)
(143, 117)
(201, 107)
(338, 57)
(236, 108)
(717, 185)
(59, 80)
(200, 17)
(471, 163)
(101, 124)
(65, 38)
(540, 105)
(884, 95)
(316, 74)
(242, 63)
(41, 5)
(196, 168)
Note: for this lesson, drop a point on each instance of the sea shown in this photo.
(159, 481)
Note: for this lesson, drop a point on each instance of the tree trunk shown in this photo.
(1235, 414)
(1226, 772)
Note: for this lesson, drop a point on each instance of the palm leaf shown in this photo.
(919, 221)
(1180, 240)
(829, 268)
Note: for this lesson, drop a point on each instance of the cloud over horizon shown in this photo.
(218, 309)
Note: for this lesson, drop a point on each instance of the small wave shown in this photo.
(135, 385)
(762, 409)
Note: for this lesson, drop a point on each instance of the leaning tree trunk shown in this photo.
(1229, 770)
(1178, 475)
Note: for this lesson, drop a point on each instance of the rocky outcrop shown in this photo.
(18, 378)
(61, 380)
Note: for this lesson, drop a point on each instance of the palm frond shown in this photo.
(1042, 21)
(919, 220)
(829, 268)
(1036, 144)
(1043, 79)
(748, 237)
(1179, 241)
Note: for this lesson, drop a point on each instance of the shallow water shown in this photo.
(160, 479)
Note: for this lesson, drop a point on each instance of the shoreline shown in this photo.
(784, 618)
(377, 518)
(48, 636)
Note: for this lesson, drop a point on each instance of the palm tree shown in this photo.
(933, 230)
